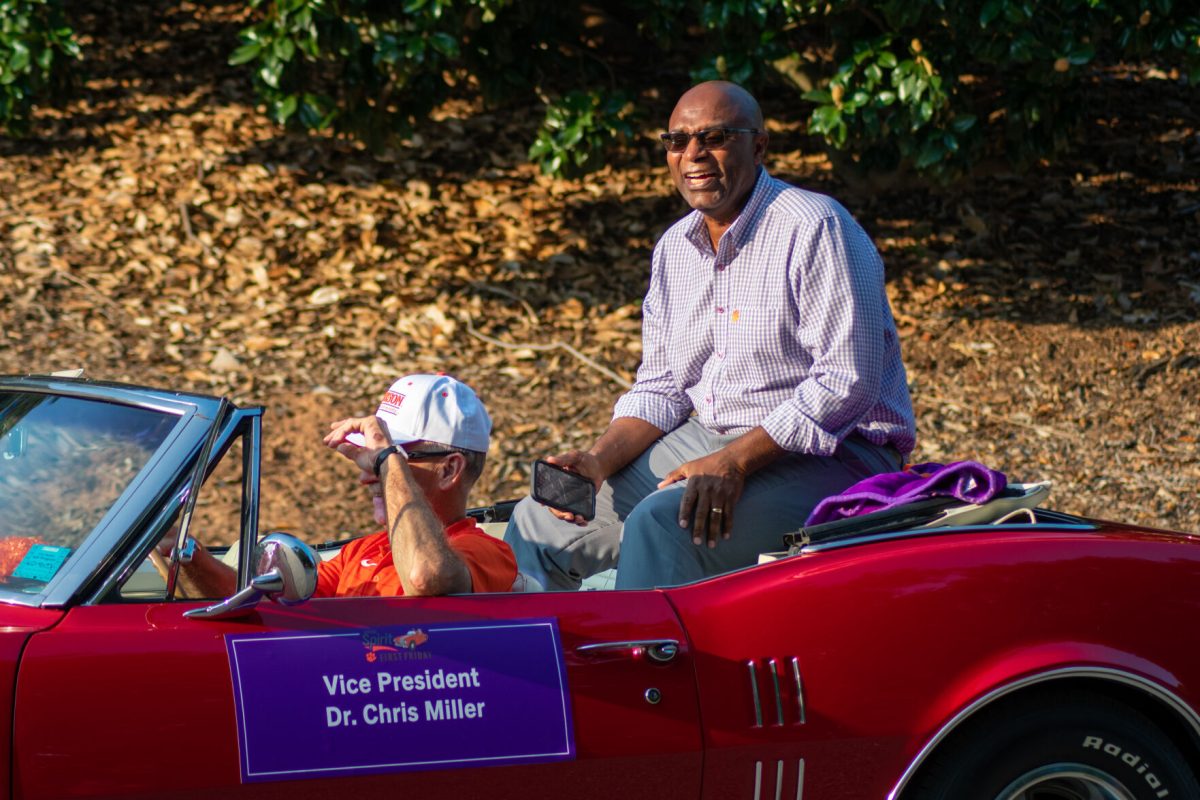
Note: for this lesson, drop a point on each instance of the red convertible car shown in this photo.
(988, 656)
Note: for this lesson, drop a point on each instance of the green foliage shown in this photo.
(931, 85)
(373, 69)
(577, 130)
(36, 46)
(936, 84)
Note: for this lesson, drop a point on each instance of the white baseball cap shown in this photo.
(433, 408)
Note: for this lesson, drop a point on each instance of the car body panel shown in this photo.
(161, 677)
(832, 673)
(17, 624)
(892, 640)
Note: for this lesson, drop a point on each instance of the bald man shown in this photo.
(771, 374)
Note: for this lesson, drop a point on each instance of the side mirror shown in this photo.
(285, 570)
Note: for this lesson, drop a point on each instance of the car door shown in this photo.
(136, 700)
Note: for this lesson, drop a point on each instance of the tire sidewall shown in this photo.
(1123, 746)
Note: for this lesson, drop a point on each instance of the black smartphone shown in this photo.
(562, 489)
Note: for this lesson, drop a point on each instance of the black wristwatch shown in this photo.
(383, 454)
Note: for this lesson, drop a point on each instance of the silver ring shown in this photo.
(717, 511)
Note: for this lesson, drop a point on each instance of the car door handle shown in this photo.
(657, 650)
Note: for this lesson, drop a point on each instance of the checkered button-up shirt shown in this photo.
(787, 325)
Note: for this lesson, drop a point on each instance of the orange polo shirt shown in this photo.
(364, 566)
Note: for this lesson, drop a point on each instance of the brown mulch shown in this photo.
(159, 229)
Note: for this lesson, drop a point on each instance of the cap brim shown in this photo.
(358, 440)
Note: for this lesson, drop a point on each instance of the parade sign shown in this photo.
(400, 698)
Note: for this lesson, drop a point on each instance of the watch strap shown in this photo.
(385, 453)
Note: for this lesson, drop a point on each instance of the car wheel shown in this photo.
(1068, 746)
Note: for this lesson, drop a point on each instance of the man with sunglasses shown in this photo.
(771, 374)
(419, 455)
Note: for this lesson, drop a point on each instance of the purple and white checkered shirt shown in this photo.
(786, 326)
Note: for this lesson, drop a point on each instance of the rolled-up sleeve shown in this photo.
(837, 280)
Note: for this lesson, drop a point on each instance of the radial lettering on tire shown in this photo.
(1131, 760)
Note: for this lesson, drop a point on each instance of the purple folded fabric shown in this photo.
(968, 481)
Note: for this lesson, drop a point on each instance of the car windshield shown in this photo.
(64, 461)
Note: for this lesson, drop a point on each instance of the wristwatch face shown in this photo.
(188, 551)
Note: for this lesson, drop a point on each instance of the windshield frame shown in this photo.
(125, 517)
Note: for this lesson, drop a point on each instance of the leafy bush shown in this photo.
(36, 45)
(932, 85)
(577, 130)
(937, 85)
(374, 69)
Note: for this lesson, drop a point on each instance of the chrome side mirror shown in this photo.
(285, 570)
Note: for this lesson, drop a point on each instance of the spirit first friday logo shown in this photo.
(386, 646)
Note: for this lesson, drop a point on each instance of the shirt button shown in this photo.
(708, 399)
(720, 354)
(720, 309)
(720, 267)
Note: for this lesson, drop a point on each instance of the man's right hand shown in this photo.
(587, 465)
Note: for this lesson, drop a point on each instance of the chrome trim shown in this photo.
(757, 780)
(799, 691)
(1098, 783)
(124, 394)
(1172, 700)
(773, 666)
(800, 780)
(251, 482)
(779, 780)
(156, 518)
(657, 650)
(758, 715)
(100, 554)
(116, 578)
(192, 493)
(104, 553)
(913, 533)
(243, 601)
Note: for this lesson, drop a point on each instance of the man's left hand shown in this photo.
(375, 438)
(714, 484)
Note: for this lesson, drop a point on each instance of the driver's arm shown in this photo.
(205, 576)
(426, 563)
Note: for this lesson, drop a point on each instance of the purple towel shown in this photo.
(969, 481)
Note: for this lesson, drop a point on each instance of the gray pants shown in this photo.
(640, 522)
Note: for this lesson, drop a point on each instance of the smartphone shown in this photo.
(562, 489)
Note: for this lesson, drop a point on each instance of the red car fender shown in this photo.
(17, 624)
(975, 690)
(896, 642)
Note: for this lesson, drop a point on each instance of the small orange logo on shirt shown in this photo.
(734, 317)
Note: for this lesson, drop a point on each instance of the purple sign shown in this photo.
(399, 698)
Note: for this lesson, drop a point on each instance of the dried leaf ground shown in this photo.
(161, 230)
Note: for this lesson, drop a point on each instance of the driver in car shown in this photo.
(419, 455)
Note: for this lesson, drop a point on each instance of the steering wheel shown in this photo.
(163, 566)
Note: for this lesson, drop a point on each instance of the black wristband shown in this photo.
(387, 452)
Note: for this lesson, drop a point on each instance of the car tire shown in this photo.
(1062, 746)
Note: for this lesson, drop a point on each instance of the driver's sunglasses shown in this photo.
(418, 455)
(710, 139)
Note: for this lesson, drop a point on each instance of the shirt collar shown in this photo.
(697, 232)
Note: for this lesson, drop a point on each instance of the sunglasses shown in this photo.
(710, 139)
(418, 455)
